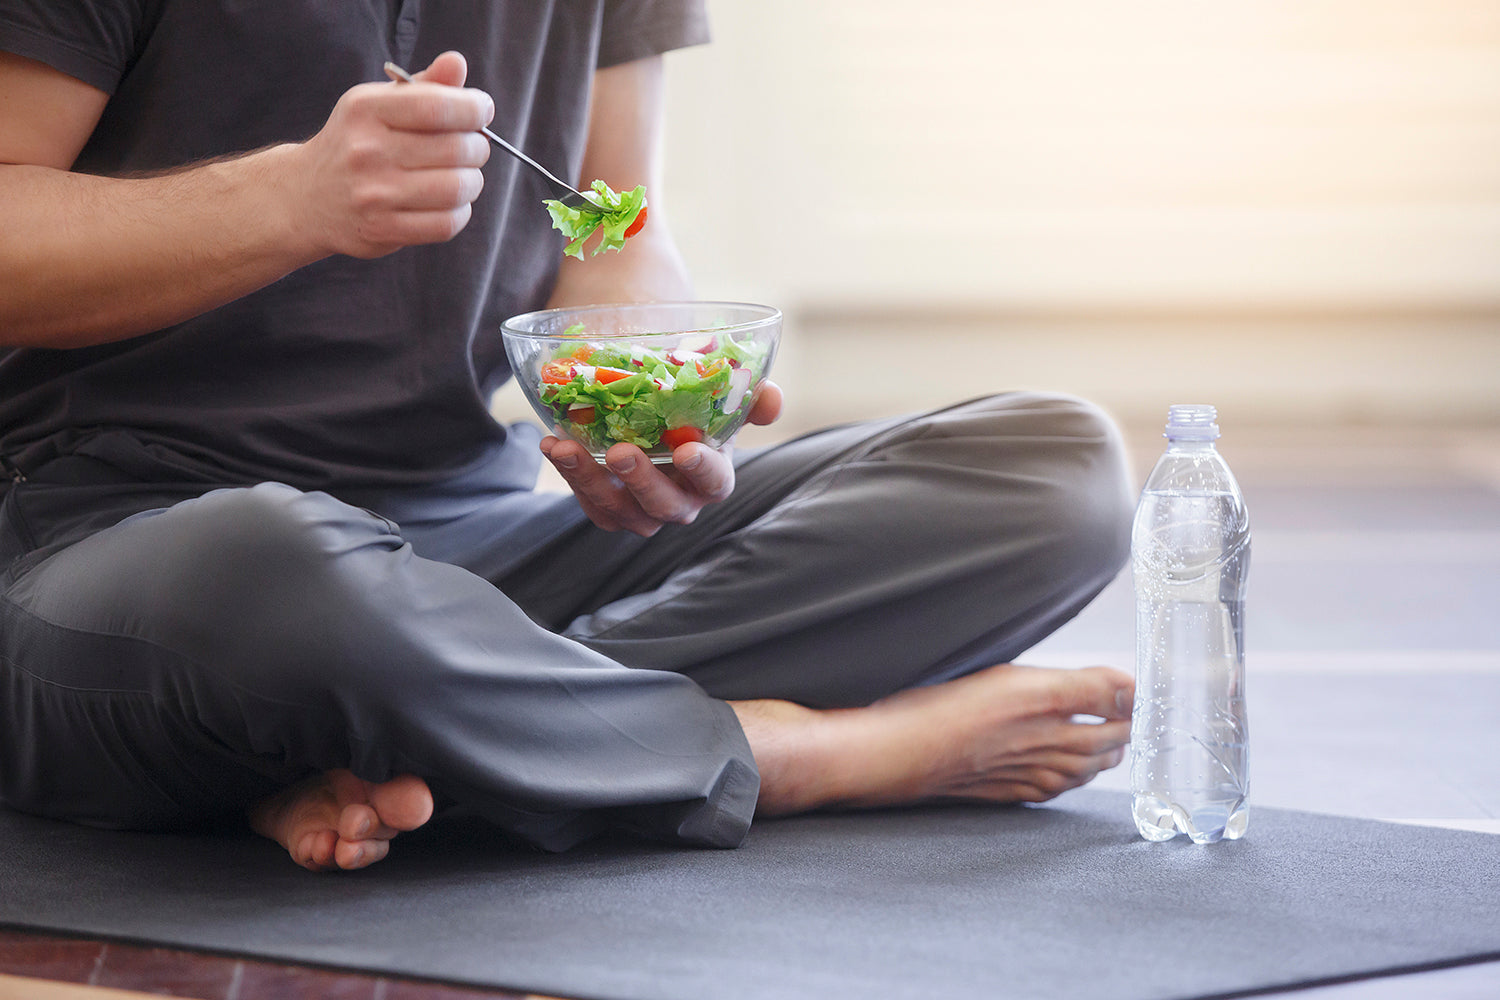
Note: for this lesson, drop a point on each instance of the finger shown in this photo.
(766, 406)
(436, 190)
(584, 476)
(658, 496)
(427, 107)
(449, 68)
(601, 495)
(421, 150)
(708, 473)
(408, 228)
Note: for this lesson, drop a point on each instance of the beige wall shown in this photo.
(1290, 208)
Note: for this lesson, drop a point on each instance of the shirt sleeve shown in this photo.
(92, 40)
(635, 29)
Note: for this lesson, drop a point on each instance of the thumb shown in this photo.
(450, 69)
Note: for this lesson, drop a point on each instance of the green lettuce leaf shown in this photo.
(685, 408)
(615, 213)
(637, 422)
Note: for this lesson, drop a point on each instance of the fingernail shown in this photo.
(567, 461)
(626, 464)
(1123, 701)
(691, 462)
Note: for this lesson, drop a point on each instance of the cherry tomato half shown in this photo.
(557, 372)
(676, 437)
(637, 225)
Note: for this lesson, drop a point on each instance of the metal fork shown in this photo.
(570, 196)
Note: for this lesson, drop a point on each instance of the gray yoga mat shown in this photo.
(1060, 901)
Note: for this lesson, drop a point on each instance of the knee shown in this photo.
(1093, 498)
(264, 566)
(1061, 462)
(274, 533)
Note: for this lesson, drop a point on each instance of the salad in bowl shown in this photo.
(653, 374)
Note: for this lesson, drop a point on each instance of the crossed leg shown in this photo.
(1032, 525)
(1004, 734)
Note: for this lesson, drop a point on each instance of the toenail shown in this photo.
(363, 830)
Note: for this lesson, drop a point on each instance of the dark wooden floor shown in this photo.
(167, 972)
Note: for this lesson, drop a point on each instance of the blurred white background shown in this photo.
(1288, 208)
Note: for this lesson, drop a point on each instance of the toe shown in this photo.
(315, 850)
(351, 855)
(1100, 691)
(359, 821)
(403, 803)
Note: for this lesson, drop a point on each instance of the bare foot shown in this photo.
(1004, 734)
(336, 820)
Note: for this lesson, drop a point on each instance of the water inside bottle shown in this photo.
(1189, 767)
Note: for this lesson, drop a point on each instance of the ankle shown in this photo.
(785, 739)
(818, 759)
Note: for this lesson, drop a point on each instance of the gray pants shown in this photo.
(169, 654)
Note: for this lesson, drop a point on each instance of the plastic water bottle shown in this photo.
(1190, 555)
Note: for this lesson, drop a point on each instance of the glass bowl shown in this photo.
(655, 374)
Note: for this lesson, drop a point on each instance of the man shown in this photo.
(266, 554)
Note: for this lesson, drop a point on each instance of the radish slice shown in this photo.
(739, 384)
(680, 357)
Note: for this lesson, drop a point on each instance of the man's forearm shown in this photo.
(88, 259)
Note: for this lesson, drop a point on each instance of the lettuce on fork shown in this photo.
(618, 217)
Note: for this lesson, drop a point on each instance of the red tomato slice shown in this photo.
(637, 225)
(581, 414)
(608, 375)
(557, 372)
(675, 437)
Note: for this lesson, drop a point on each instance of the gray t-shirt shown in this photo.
(346, 373)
